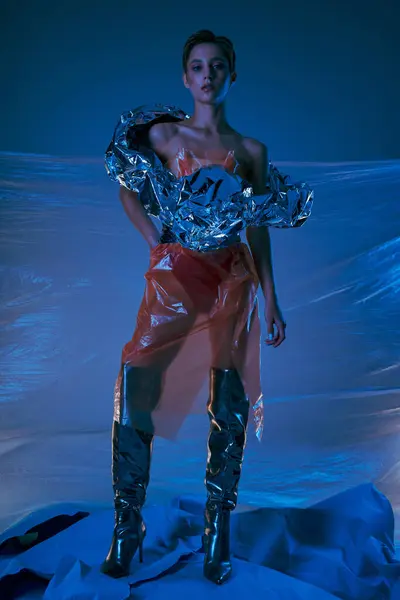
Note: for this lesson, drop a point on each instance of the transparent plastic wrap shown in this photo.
(332, 395)
(199, 309)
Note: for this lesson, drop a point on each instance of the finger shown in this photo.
(279, 341)
(281, 334)
(270, 333)
(279, 326)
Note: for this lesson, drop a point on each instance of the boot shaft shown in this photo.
(228, 411)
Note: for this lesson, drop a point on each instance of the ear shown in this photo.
(185, 81)
(233, 78)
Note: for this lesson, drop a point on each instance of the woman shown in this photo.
(205, 182)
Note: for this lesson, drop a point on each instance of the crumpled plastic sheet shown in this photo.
(198, 310)
(204, 209)
(340, 548)
(331, 391)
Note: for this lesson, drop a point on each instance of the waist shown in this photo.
(168, 237)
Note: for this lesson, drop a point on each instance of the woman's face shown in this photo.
(207, 74)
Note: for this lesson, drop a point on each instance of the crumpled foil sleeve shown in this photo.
(202, 210)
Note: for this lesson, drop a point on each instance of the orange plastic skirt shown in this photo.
(199, 310)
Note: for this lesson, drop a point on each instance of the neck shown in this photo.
(211, 118)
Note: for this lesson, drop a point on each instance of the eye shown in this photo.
(218, 66)
(196, 68)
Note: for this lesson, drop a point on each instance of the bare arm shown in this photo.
(258, 237)
(138, 216)
(158, 137)
(260, 246)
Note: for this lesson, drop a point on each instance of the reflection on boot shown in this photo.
(131, 457)
(216, 542)
(228, 410)
(129, 533)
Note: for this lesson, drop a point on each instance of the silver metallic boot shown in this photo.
(228, 410)
(131, 458)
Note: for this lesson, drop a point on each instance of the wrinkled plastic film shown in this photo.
(203, 208)
(198, 310)
(332, 393)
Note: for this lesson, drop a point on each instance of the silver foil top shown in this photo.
(205, 209)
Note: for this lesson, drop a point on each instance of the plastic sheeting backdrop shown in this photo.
(71, 282)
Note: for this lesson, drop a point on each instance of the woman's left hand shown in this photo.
(273, 316)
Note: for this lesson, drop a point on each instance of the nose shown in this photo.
(207, 73)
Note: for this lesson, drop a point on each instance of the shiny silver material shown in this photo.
(228, 411)
(205, 209)
(128, 536)
(131, 459)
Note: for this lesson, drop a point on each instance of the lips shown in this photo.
(207, 88)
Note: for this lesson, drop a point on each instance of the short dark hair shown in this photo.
(204, 36)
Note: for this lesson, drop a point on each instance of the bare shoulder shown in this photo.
(257, 150)
(258, 158)
(160, 135)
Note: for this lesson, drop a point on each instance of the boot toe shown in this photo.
(114, 570)
(219, 573)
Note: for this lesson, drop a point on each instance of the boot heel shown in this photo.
(128, 536)
(228, 410)
(217, 562)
